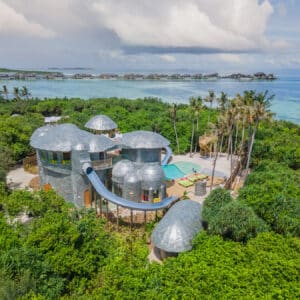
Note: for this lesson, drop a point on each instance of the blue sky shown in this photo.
(146, 36)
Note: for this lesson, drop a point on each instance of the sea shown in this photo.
(286, 103)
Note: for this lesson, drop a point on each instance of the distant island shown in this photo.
(10, 74)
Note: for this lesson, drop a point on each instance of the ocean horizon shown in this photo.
(286, 103)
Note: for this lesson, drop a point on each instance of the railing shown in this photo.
(102, 164)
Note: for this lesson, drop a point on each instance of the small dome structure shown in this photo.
(152, 176)
(101, 123)
(100, 143)
(121, 169)
(175, 232)
(143, 140)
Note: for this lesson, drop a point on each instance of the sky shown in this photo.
(151, 36)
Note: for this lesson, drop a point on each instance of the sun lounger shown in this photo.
(197, 177)
(185, 183)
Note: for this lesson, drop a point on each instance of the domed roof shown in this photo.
(176, 230)
(120, 169)
(132, 177)
(143, 140)
(152, 172)
(100, 143)
(63, 137)
(101, 122)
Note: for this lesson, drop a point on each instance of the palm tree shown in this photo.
(17, 93)
(198, 108)
(261, 112)
(173, 112)
(24, 92)
(5, 91)
(223, 101)
(210, 99)
(192, 107)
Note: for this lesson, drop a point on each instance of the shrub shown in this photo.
(213, 203)
(272, 190)
(236, 221)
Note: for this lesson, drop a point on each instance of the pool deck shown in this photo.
(222, 165)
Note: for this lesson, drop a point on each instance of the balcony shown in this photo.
(102, 164)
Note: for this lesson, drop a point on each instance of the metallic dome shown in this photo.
(152, 176)
(121, 169)
(143, 140)
(100, 143)
(176, 230)
(61, 138)
(132, 178)
(101, 122)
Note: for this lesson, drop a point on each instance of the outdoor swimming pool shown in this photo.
(180, 169)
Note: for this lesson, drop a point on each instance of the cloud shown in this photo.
(13, 22)
(229, 58)
(167, 57)
(212, 25)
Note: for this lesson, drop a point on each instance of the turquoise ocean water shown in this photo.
(286, 89)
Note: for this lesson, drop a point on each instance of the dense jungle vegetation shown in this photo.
(249, 250)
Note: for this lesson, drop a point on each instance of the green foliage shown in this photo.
(59, 250)
(272, 190)
(267, 267)
(217, 199)
(279, 142)
(236, 221)
(15, 133)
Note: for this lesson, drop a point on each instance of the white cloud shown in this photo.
(229, 58)
(13, 22)
(231, 25)
(167, 57)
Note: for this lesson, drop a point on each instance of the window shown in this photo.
(66, 158)
(43, 155)
(52, 157)
(101, 155)
(145, 196)
(117, 189)
(155, 194)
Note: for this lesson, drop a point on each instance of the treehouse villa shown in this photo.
(101, 169)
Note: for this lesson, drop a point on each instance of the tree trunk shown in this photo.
(236, 138)
(229, 141)
(176, 135)
(197, 137)
(251, 145)
(192, 137)
(221, 144)
(214, 167)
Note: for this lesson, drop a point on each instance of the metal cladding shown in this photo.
(100, 143)
(175, 232)
(61, 138)
(152, 176)
(143, 140)
(132, 186)
(101, 122)
(121, 169)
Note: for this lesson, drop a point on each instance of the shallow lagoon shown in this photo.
(286, 103)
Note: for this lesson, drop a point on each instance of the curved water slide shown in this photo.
(167, 156)
(111, 197)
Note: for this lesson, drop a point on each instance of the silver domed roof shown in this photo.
(121, 169)
(176, 230)
(101, 122)
(63, 137)
(152, 172)
(100, 143)
(132, 177)
(143, 140)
